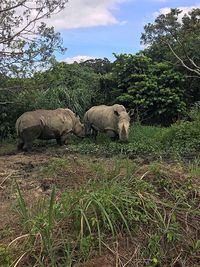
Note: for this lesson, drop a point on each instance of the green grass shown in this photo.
(183, 137)
(181, 140)
(7, 148)
(153, 206)
(143, 140)
(53, 167)
(146, 204)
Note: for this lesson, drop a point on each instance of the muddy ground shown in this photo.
(36, 172)
(35, 179)
(26, 169)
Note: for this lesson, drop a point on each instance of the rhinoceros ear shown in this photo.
(131, 113)
(116, 112)
(77, 116)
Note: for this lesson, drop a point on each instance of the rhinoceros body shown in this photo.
(114, 120)
(47, 124)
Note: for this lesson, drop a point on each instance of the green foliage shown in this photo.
(180, 38)
(146, 204)
(71, 76)
(5, 256)
(109, 205)
(153, 89)
(68, 86)
(53, 168)
(183, 137)
(194, 112)
(143, 141)
(175, 38)
(26, 41)
(96, 209)
(99, 65)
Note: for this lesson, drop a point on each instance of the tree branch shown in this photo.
(182, 62)
(12, 7)
(5, 103)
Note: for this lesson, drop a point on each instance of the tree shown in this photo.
(153, 89)
(179, 36)
(64, 85)
(26, 43)
(99, 65)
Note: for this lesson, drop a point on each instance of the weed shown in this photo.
(52, 168)
(155, 204)
(194, 168)
(7, 148)
(5, 256)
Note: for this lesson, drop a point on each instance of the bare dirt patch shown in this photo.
(35, 179)
(37, 172)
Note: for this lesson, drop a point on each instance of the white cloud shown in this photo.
(88, 13)
(185, 10)
(78, 59)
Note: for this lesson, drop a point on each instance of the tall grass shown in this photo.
(181, 140)
(147, 205)
(143, 140)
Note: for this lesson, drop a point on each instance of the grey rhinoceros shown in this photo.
(47, 124)
(114, 120)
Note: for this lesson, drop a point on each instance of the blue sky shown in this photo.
(98, 28)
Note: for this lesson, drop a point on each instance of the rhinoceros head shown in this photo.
(79, 128)
(123, 125)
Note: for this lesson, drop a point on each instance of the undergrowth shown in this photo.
(181, 140)
(154, 208)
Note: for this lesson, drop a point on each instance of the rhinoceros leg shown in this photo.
(20, 144)
(58, 140)
(88, 128)
(28, 143)
(62, 139)
(28, 146)
(94, 133)
(113, 135)
(29, 136)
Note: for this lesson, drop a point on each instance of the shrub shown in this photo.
(194, 113)
(154, 89)
(183, 137)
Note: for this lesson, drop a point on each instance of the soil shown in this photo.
(32, 173)
(24, 169)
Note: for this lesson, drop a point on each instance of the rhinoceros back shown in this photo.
(102, 118)
(46, 124)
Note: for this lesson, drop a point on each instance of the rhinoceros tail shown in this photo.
(18, 124)
(87, 124)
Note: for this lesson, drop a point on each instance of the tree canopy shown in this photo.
(26, 42)
(154, 89)
(176, 38)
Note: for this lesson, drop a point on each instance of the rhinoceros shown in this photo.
(114, 120)
(47, 124)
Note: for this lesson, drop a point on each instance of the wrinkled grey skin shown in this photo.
(113, 120)
(47, 124)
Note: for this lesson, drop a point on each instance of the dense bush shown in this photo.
(119, 202)
(154, 89)
(194, 112)
(70, 86)
(183, 137)
(27, 100)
